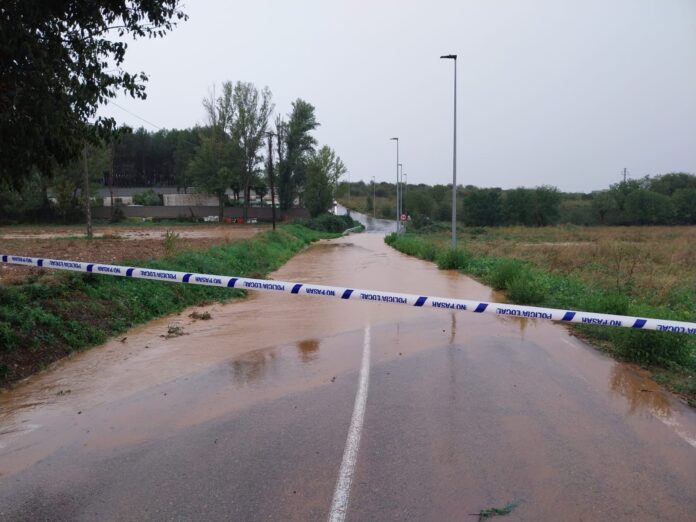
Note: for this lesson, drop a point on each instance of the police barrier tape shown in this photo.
(568, 316)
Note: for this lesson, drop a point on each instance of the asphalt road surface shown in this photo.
(284, 407)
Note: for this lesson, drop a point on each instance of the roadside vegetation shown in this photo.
(647, 271)
(668, 199)
(51, 314)
(330, 223)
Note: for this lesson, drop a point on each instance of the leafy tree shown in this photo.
(209, 171)
(24, 203)
(620, 191)
(577, 210)
(60, 60)
(482, 207)
(645, 207)
(299, 145)
(324, 169)
(183, 148)
(668, 184)
(684, 201)
(603, 203)
(284, 177)
(68, 181)
(420, 203)
(545, 202)
(517, 206)
(536, 207)
(252, 109)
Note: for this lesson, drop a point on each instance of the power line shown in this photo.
(134, 115)
(148, 122)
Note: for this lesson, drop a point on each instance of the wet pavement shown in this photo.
(245, 416)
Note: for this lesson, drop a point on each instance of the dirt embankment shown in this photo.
(111, 244)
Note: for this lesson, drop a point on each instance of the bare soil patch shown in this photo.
(111, 244)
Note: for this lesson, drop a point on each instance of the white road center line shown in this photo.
(339, 504)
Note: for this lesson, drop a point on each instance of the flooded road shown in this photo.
(247, 415)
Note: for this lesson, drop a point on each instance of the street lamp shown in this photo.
(454, 154)
(271, 177)
(374, 202)
(400, 192)
(397, 181)
(404, 177)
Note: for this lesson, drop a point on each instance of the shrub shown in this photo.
(428, 252)
(527, 288)
(504, 272)
(648, 347)
(149, 198)
(8, 340)
(330, 223)
(408, 245)
(418, 221)
(607, 303)
(452, 259)
(171, 243)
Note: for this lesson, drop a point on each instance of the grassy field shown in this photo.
(656, 265)
(47, 315)
(644, 271)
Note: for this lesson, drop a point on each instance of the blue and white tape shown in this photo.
(424, 301)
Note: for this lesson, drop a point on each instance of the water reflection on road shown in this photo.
(371, 224)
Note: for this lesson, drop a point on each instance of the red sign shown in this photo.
(404, 217)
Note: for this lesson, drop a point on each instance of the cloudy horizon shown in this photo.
(549, 93)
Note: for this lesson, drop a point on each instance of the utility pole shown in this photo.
(624, 174)
(85, 190)
(271, 177)
(398, 228)
(111, 180)
(374, 202)
(454, 155)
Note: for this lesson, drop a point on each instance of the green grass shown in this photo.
(329, 223)
(450, 259)
(51, 315)
(504, 272)
(526, 283)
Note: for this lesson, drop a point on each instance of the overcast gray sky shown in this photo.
(559, 92)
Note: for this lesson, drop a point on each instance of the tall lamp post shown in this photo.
(374, 202)
(400, 192)
(397, 182)
(271, 177)
(454, 154)
(404, 177)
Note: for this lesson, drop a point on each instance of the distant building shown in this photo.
(173, 198)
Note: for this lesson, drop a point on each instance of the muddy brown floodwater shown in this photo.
(465, 412)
